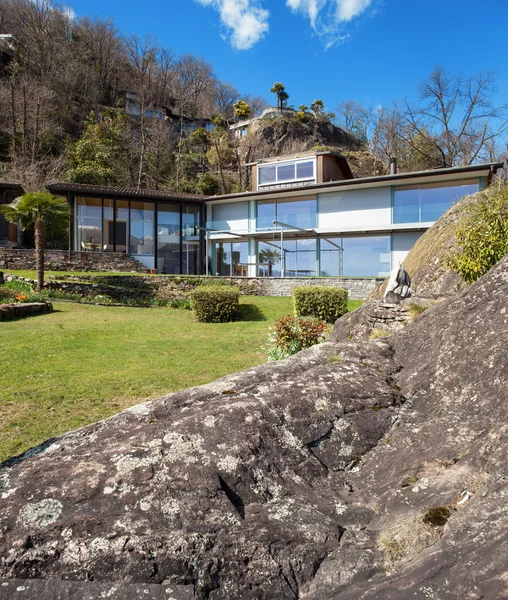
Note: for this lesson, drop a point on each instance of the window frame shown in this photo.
(287, 163)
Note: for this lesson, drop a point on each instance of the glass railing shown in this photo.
(300, 220)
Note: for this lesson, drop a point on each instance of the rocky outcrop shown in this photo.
(351, 470)
(286, 135)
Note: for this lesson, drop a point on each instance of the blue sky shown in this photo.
(372, 51)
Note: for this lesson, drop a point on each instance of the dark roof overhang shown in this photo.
(121, 192)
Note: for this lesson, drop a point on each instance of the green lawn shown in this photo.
(83, 363)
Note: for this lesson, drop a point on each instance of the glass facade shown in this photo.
(168, 238)
(142, 238)
(299, 213)
(89, 224)
(231, 259)
(355, 256)
(110, 225)
(424, 204)
(297, 258)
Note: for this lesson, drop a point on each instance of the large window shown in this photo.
(356, 256)
(89, 224)
(330, 259)
(231, 259)
(423, 204)
(286, 172)
(299, 258)
(191, 216)
(299, 213)
(142, 228)
(168, 238)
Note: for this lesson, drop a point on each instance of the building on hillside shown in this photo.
(304, 216)
(240, 128)
(182, 123)
(307, 216)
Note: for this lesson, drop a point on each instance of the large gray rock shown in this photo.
(352, 470)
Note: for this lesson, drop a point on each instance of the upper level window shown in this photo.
(426, 203)
(273, 174)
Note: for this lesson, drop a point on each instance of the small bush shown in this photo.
(438, 516)
(290, 335)
(326, 304)
(7, 295)
(214, 304)
(482, 236)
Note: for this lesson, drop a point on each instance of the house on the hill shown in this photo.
(182, 123)
(305, 216)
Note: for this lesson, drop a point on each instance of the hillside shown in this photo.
(277, 136)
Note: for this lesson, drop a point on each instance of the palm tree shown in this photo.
(282, 95)
(317, 107)
(37, 209)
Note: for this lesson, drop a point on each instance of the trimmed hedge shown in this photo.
(214, 304)
(327, 304)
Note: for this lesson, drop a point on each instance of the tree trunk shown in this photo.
(40, 242)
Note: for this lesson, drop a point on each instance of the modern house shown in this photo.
(160, 229)
(305, 215)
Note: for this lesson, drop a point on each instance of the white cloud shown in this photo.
(246, 20)
(349, 9)
(329, 17)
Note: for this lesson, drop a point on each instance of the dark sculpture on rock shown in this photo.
(339, 473)
(399, 285)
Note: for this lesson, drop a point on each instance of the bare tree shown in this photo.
(455, 117)
(150, 67)
(354, 118)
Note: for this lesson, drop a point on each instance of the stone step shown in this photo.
(56, 589)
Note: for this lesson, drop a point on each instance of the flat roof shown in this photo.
(363, 182)
(123, 192)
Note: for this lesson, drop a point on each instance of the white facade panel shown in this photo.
(402, 242)
(344, 210)
(233, 216)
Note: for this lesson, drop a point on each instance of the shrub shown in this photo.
(327, 304)
(290, 335)
(482, 236)
(214, 304)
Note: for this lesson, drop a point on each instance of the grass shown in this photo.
(377, 333)
(83, 363)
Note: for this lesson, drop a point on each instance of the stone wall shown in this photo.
(58, 260)
(358, 287)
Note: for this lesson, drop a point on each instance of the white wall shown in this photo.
(402, 242)
(355, 208)
(232, 215)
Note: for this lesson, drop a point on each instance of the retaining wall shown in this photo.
(58, 260)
